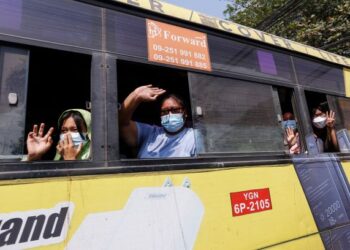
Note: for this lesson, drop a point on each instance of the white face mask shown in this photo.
(319, 121)
(76, 138)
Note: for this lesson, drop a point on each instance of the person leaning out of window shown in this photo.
(291, 134)
(172, 139)
(75, 133)
(323, 123)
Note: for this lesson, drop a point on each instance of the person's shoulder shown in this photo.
(189, 131)
(150, 128)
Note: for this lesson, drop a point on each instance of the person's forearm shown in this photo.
(333, 137)
(128, 107)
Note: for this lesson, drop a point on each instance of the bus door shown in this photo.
(13, 94)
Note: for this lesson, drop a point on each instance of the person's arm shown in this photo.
(38, 143)
(293, 141)
(331, 132)
(127, 127)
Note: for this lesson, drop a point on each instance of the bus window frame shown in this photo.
(105, 147)
(97, 93)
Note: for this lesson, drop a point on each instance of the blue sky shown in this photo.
(210, 7)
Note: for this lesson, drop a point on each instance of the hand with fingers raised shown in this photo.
(290, 136)
(67, 149)
(330, 119)
(148, 93)
(38, 143)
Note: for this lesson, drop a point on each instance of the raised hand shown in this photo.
(290, 136)
(330, 119)
(67, 149)
(148, 93)
(38, 143)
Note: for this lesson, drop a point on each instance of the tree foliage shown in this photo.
(318, 23)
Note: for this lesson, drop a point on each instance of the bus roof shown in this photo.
(234, 28)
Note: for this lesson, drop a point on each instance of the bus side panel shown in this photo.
(166, 210)
(306, 243)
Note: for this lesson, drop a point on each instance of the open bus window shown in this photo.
(58, 81)
(289, 122)
(158, 141)
(233, 116)
(323, 137)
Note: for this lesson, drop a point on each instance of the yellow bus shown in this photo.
(242, 190)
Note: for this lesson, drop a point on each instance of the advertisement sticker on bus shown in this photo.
(173, 45)
(250, 201)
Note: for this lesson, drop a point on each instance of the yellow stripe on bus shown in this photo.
(234, 28)
(289, 220)
(347, 81)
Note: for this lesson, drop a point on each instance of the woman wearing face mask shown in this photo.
(325, 134)
(74, 143)
(173, 139)
(292, 139)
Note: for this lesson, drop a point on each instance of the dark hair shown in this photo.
(176, 98)
(78, 119)
(323, 107)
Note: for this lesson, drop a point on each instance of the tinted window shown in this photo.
(66, 22)
(127, 34)
(13, 96)
(319, 76)
(343, 112)
(234, 116)
(227, 55)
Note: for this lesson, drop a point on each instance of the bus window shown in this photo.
(232, 56)
(233, 116)
(323, 119)
(319, 76)
(132, 75)
(58, 81)
(341, 106)
(13, 87)
(59, 22)
(289, 120)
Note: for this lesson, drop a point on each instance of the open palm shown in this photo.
(38, 143)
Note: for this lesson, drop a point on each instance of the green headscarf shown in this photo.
(85, 151)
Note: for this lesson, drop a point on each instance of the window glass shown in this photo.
(228, 55)
(66, 22)
(343, 112)
(319, 76)
(341, 106)
(126, 34)
(234, 116)
(13, 87)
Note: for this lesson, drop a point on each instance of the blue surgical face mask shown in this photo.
(76, 138)
(289, 124)
(172, 122)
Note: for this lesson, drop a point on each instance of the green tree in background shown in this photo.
(323, 24)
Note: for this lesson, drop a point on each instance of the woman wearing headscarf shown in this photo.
(75, 137)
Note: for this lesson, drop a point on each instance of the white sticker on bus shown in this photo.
(20, 230)
(153, 218)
